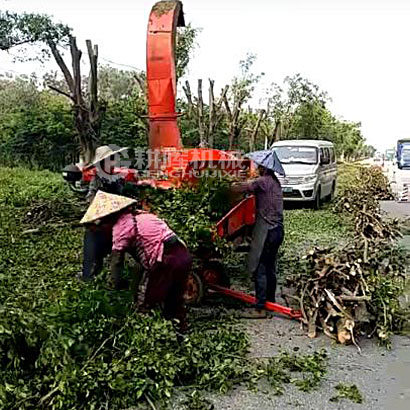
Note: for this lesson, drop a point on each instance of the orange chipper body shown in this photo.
(171, 164)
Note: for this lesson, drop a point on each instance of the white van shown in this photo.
(310, 167)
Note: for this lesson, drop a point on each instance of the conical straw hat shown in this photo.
(103, 152)
(105, 204)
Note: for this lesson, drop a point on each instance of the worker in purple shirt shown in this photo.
(268, 232)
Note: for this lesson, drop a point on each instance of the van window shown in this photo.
(293, 154)
(332, 155)
(324, 155)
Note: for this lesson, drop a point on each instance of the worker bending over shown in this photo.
(165, 259)
(268, 232)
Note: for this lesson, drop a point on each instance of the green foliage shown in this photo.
(192, 211)
(123, 122)
(19, 187)
(185, 46)
(243, 85)
(115, 84)
(349, 392)
(67, 344)
(312, 368)
(195, 401)
(18, 30)
(36, 127)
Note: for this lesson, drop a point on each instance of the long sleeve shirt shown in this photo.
(114, 186)
(269, 198)
(145, 233)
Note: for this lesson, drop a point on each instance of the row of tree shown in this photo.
(48, 122)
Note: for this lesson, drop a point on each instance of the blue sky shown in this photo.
(356, 50)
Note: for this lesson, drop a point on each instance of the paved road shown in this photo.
(382, 376)
(395, 209)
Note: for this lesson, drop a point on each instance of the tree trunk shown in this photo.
(95, 109)
(200, 106)
(188, 93)
(212, 119)
(87, 117)
(256, 130)
(234, 130)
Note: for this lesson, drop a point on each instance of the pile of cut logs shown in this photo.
(336, 290)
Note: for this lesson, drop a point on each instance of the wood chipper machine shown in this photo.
(170, 164)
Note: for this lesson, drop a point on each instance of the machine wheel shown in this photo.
(213, 272)
(83, 190)
(317, 202)
(195, 289)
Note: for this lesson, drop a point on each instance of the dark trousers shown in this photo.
(167, 282)
(97, 245)
(265, 275)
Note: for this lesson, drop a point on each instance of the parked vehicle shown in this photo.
(378, 161)
(400, 171)
(310, 167)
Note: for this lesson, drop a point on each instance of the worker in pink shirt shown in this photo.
(165, 259)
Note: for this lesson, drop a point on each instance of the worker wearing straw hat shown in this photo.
(97, 242)
(105, 178)
(268, 232)
(165, 259)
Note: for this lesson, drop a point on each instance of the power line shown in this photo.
(120, 64)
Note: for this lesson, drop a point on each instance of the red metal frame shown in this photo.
(274, 307)
(243, 214)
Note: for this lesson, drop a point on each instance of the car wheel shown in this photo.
(317, 202)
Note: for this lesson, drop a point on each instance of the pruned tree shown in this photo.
(21, 30)
(200, 116)
(255, 131)
(206, 117)
(87, 108)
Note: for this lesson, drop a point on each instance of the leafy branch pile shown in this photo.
(66, 344)
(57, 211)
(354, 289)
(349, 392)
(281, 369)
(192, 211)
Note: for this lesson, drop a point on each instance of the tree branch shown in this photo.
(202, 141)
(76, 57)
(141, 83)
(212, 119)
(188, 93)
(227, 107)
(59, 60)
(57, 90)
(256, 130)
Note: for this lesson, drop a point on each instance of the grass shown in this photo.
(305, 229)
(66, 344)
(63, 342)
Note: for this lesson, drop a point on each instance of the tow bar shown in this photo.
(273, 307)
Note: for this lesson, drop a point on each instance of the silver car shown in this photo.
(310, 167)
